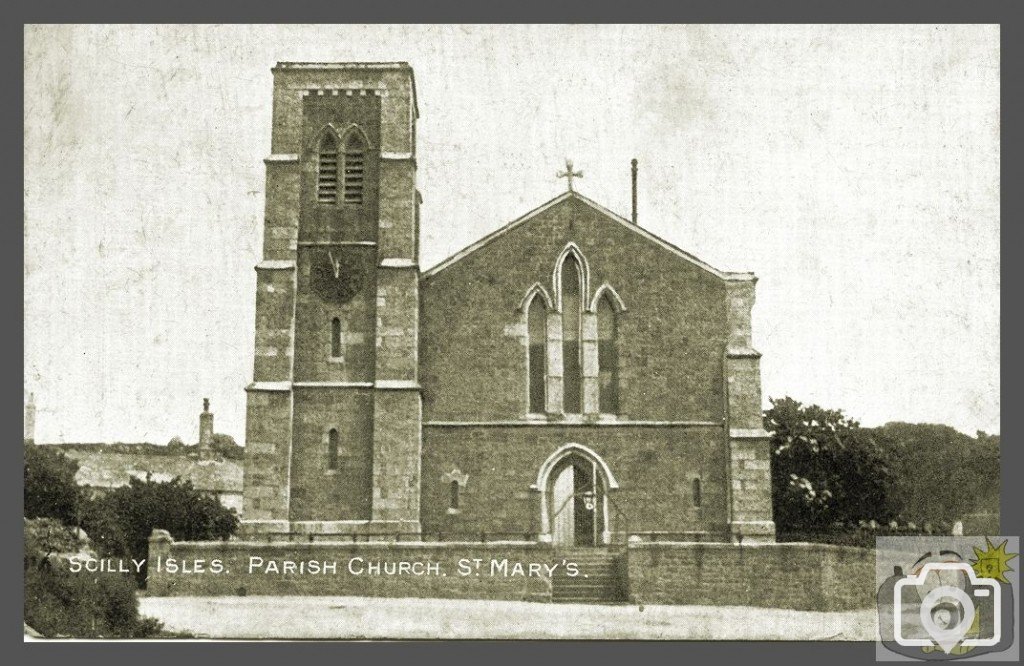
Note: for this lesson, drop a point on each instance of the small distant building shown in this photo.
(103, 467)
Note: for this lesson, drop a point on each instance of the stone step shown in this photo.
(599, 580)
(587, 567)
(588, 599)
(567, 585)
(569, 580)
(604, 585)
(608, 595)
(590, 559)
(592, 565)
(590, 575)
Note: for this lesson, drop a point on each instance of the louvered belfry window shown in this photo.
(327, 171)
(355, 162)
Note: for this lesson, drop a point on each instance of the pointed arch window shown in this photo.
(572, 309)
(536, 326)
(607, 356)
(355, 164)
(336, 338)
(327, 170)
(332, 449)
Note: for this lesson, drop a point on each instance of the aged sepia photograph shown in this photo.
(616, 332)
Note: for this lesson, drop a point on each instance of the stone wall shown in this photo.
(314, 361)
(446, 583)
(671, 338)
(303, 386)
(654, 467)
(268, 434)
(800, 576)
(797, 576)
(318, 492)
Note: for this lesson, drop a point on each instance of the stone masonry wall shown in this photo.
(751, 480)
(333, 222)
(236, 578)
(293, 405)
(319, 493)
(654, 466)
(671, 339)
(815, 577)
(275, 302)
(268, 435)
(396, 457)
(792, 575)
(357, 316)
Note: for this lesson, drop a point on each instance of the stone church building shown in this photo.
(569, 378)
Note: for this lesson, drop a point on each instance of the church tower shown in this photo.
(334, 411)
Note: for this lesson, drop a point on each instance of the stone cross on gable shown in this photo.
(569, 174)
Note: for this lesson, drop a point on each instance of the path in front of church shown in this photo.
(362, 617)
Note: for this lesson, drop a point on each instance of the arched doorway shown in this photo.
(574, 483)
(577, 502)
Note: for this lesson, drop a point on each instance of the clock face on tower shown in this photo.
(336, 279)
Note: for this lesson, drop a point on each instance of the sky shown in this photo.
(854, 169)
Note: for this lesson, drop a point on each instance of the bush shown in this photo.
(226, 447)
(50, 488)
(59, 603)
(121, 521)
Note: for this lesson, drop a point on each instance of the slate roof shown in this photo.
(657, 240)
(112, 466)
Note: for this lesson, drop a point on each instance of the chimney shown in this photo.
(30, 419)
(634, 189)
(206, 431)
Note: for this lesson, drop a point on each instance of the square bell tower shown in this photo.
(333, 426)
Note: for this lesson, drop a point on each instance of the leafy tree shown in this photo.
(826, 469)
(225, 446)
(121, 522)
(940, 473)
(50, 488)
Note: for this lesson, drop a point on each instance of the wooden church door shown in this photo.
(577, 505)
(564, 532)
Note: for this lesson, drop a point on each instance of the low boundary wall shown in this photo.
(444, 570)
(800, 576)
